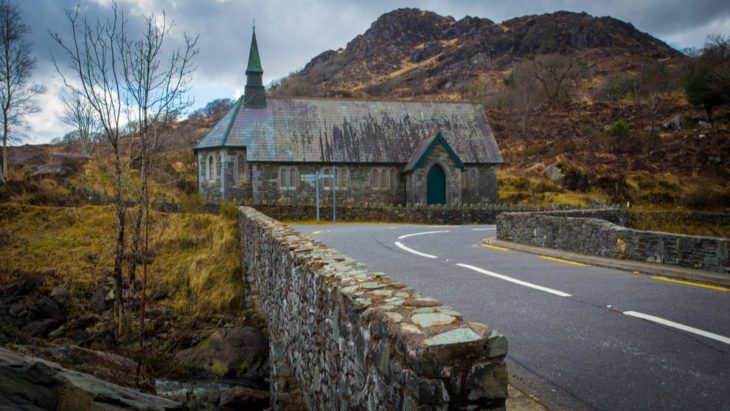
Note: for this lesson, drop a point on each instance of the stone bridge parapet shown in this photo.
(343, 337)
(602, 233)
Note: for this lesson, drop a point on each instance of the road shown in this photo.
(580, 337)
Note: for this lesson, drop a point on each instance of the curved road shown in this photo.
(581, 337)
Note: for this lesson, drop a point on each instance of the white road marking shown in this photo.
(423, 233)
(515, 281)
(483, 229)
(678, 326)
(412, 251)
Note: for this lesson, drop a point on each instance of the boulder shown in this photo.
(675, 123)
(238, 352)
(704, 125)
(40, 328)
(244, 398)
(98, 302)
(30, 383)
(554, 173)
(45, 307)
(59, 294)
(107, 366)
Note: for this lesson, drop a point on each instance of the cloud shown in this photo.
(291, 32)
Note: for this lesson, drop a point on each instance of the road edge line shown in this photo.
(677, 272)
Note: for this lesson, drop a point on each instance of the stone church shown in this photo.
(375, 152)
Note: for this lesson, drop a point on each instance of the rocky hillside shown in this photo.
(409, 52)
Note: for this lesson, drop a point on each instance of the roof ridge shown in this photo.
(340, 99)
(236, 110)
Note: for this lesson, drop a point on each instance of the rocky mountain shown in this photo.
(409, 52)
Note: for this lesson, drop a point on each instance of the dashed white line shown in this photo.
(678, 326)
(423, 233)
(412, 251)
(515, 281)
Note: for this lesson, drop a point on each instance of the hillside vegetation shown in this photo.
(586, 110)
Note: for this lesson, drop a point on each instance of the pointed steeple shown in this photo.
(254, 61)
(255, 94)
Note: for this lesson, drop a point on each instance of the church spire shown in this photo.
(255, 94)
(254, 61)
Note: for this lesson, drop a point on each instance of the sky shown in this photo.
(291, 32)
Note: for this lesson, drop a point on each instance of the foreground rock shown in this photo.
(28, 383)
(106, 366)
(237, 352)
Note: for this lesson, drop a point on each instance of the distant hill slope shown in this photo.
(409, 52)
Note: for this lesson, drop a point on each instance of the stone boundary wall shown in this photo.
(589, 232)
(465, 214)
(355, 339)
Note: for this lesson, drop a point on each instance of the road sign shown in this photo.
(310, 178)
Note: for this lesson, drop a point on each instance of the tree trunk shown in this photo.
(708, 112)
(5, 145)
(119, 248)
(134, 248)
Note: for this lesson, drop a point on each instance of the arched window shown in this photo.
(343, 174)
(241, 167)
(211, 168)
(293, 178)
(288, 178)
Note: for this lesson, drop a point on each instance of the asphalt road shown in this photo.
(580, 337)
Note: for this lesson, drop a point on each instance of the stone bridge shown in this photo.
(342, 337)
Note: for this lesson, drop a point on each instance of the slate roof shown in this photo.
(352, 131)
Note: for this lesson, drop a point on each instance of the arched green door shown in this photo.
(436, 185)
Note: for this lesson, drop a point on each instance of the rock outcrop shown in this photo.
(28, 383)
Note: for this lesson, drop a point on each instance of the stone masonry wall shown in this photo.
(355, 339)
(581, 232)
(463, 214)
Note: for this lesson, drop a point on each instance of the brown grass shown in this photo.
(196, 255)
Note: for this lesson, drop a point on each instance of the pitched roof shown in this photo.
(352, 131)
(424, 149)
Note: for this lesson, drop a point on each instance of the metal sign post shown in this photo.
(316, 192)
(315, 178)
(334, 195)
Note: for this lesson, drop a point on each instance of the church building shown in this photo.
(375, 152)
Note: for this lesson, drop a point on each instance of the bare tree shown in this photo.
(522, 94)
(156, 84)
(78, 113)
(559, 75)
(16, 68)
(652, 89)
(93, 53)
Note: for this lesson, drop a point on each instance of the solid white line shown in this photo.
(678, 326)
(515, 281)
(412, 251)
(483, 229)
(423, 233)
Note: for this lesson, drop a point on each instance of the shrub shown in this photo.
(618, 128)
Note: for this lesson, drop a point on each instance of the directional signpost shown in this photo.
(309, 178)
